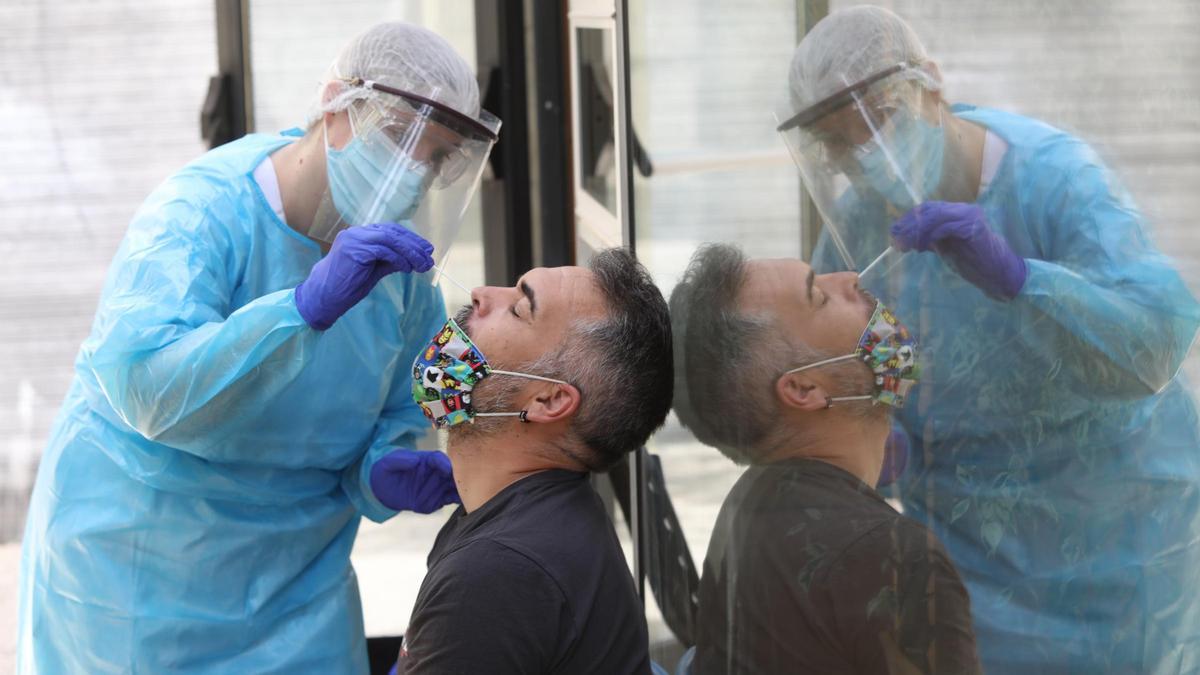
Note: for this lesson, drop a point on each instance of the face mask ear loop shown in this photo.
(829, 400)
(523, 415)
(527, 376)
(819, 363)
(325, 129)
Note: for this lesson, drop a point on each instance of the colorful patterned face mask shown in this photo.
(446, 372)
(890, 351)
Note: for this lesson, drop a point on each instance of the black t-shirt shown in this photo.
(534, 581)
(809, 570)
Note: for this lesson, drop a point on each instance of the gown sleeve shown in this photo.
(167, 352)
(401, 424)
(1113, 309)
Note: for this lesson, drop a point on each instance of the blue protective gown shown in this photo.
(1054, 450)
(196, 505)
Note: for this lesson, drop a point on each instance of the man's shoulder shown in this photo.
(800, 504)
(484, 560)
(901, 541)
(549, 517)
(483, 604)
(553, 530)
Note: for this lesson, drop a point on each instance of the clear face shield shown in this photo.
(866, 155)
(412, 161)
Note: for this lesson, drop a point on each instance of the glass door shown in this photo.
(598, 94)
(704, 78)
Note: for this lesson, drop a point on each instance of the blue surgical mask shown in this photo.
(356, 173)
(916, 148)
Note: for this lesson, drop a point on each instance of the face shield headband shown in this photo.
(488, 133)
(837, 99)
(900, 164)
(410, 160)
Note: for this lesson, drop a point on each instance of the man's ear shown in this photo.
(800, 392)
(553, 402)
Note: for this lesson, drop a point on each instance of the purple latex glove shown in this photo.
(895, 457)
(959, 233)
(414, 480)
(360, 257)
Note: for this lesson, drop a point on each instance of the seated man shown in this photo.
(808, 570)
(528, 576)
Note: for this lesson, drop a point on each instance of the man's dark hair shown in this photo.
(726, 361)
(622, 364)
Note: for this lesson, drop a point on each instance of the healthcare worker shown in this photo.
(1054, 449)
(238, 403)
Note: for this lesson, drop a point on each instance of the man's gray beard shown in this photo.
(463, 318)
(856, 380)
(495, 393)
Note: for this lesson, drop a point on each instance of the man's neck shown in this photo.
(486, 464)
(854, 445)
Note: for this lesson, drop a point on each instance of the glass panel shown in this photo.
(597, 154)
(1034, 506)
(702, 112)
(292, 46)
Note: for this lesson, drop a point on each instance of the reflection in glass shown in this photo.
(703, 77)
(597, 161)
(808, 568)
(1051, 442)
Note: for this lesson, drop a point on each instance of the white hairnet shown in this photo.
(406, 57)
(849, 46)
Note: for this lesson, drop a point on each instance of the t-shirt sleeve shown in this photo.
(901, 607)
(485, 608)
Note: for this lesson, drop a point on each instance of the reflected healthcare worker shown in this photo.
(1054, 450)
(247, 379)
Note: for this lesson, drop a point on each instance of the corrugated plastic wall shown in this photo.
(99, 101)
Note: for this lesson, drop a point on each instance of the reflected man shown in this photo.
(1053, 446)
(809, 570)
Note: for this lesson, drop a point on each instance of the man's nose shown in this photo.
(479, 300)
(845, 283)
(486, 298)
